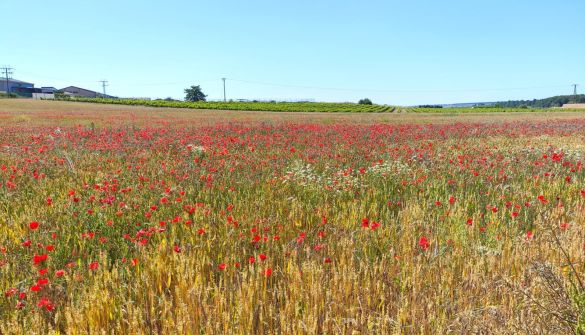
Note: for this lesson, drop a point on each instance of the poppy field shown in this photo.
(194, 223)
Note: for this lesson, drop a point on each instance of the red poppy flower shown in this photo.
(42, 281)
(59, 273)
(423, 243)
(268, 272)
(39, 258)
(221, 266)
(33, 225)
(45, 303)
(365, 223)
(93, 265)
(301, 238)
(10, 292)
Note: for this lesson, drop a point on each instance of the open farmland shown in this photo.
(129, 219)
(308, 107)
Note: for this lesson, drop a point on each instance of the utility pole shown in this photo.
(7, 72)
(224, 100)
(104, 84)
(575, 89)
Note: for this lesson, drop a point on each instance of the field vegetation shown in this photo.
(127, 219)
(323, 107)
(363, 106)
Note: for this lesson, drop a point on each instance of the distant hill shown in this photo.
(556, 101)
(469, 104)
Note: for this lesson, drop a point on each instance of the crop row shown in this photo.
(252, 106)
(311, 107)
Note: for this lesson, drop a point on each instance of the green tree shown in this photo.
(365, 101)
(194, 93)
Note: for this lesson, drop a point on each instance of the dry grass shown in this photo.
(278, 175)
(580, 106)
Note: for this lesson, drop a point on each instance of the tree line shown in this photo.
(556, 101)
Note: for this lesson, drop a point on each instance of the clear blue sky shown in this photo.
(395, 52)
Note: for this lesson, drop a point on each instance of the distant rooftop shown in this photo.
(15, 81)
(77, 90)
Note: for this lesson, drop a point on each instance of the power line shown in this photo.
(122, 84)
(7, 72)
(118, 83)
(51, 78)
(104, 84)
(223, 79)
(393, 91)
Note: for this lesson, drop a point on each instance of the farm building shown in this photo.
(48, 90)
(75, 91)
(43, 96)
(16, 86)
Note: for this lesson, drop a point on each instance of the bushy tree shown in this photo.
(194, 93)
(365, 101)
